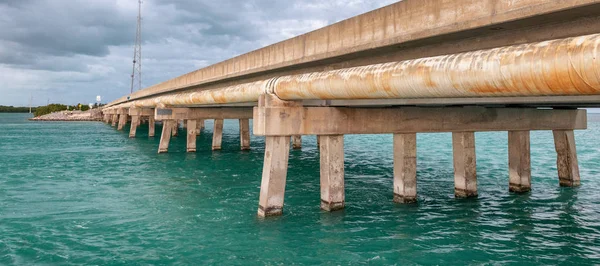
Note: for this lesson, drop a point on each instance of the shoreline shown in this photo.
(70, 116)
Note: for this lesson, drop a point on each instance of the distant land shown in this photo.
(12, 109)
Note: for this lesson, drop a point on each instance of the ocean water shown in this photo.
(83, 193)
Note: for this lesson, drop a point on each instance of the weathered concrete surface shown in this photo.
(519, 161)
(297, 142)
(566, 159)
(199, 126)
(244, 134)
(203, 113)
(135, 122)
(165, 137)
(405, 168)
(123, 118)
(115, 119)
(217, 134)
(411, 28)
(332, 172)
(465, 170)
(191, 135)
(272, 188)
(290, 121)
(151, 126)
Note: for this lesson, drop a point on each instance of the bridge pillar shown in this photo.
(191, 135)
(566, 159)
(165, 137)
(332, 172)
(115, 118)
(123, 118)
(297, 142)
(279, 120)
(151, 126)
(272, 187)
(175, 129)
(405, 168)
(519, 161)
(135, 122)
(277, 151)
(199, 126)
(217, 134)
(245, 134)
(465, 170)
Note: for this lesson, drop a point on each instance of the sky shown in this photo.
(66, 51)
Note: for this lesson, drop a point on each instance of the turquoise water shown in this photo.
(84, 193)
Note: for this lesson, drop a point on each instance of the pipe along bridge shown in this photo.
(415, 66)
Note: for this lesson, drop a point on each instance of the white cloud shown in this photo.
(70, 51)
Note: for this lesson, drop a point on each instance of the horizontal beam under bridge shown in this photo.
(202, 113)
(290, 121)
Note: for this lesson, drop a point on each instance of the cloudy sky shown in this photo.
(69, 51)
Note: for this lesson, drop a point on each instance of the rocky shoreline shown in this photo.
(92, 115)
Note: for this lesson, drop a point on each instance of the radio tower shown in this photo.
(136, 74)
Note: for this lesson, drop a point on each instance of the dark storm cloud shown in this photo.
(85, 47)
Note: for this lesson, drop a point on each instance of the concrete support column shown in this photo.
(217, 134)
(245, 134)
(151, 126)
(332, 172)
(191, 135)
(566, 158)
(465, 170)
(165, 137)
(115, 118)
(297, 142)
(135, 122)
(519, 161)
(272, 188)
(175, 128)
(405, 168)
(123, 118)
(201, 123)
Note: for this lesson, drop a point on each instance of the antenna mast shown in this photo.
(136, 74)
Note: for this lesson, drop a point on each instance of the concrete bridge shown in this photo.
(416, 66)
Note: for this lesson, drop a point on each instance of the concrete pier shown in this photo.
(135, 122)
(165, 137)
(217, 134)
(519, 161)
(138, 117)
(405, 168)
(123, 118)
(297, 142)
(198, 115)
(332, 172)
(191, 135)
(465, 170)
(566, 159)
(151, 126)
(175, 129)
(115, 118)
(272, 188)
(201, 124)
(244, 134)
